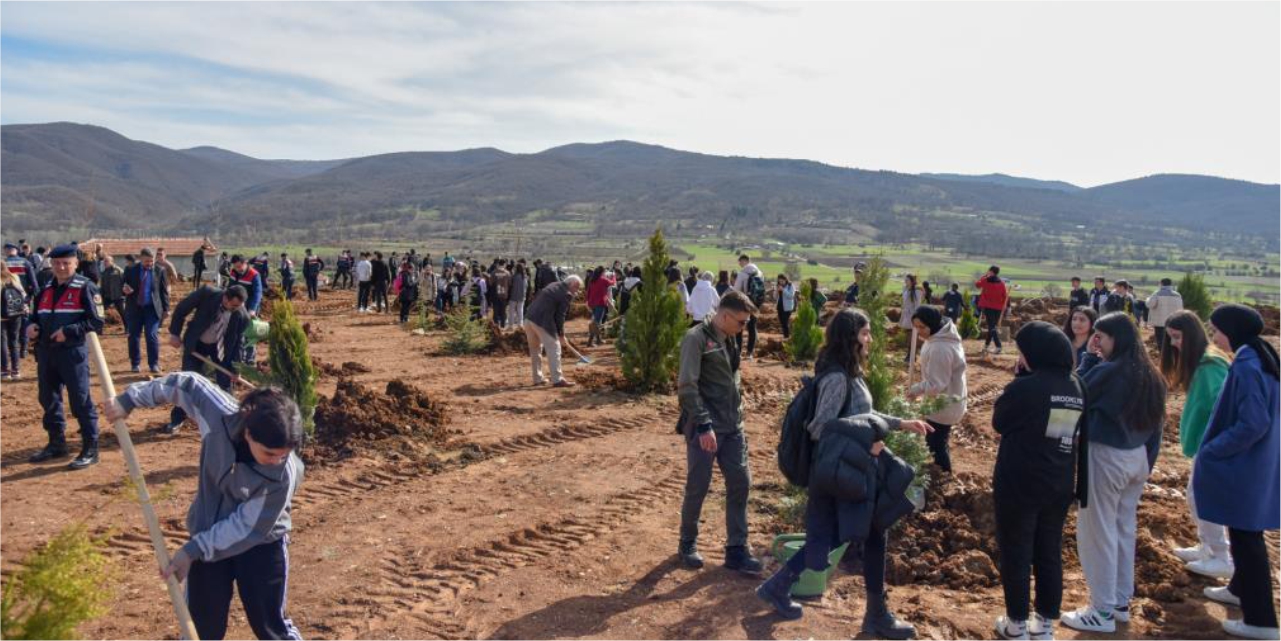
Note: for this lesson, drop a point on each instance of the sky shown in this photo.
(1087, 92)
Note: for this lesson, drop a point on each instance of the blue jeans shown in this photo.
(144, 318)
(599, 313)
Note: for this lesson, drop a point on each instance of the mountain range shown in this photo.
(74, 176)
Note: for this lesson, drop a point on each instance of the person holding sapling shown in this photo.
(240, 519)
(942, 374)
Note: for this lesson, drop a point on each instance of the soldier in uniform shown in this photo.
(66, 310)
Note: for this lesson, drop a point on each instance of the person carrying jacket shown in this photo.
(1237, 476)
(1161, 305)
(240, 518)
(849, 504)
(1041, 467)
(710, 391)
(216, 331)
(943, 367)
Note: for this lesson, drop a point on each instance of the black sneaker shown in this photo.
(88, 456)
(50, 451)
(688, 552)
(739, 559)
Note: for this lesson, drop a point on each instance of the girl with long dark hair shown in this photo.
(1126, 409)
(1079, 327)
(1191, 365)
(843, 394)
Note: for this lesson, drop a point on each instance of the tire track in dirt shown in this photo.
(984, 395)
(371, 481)
(430, 594)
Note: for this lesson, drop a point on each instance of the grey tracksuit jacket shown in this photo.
(238, 505)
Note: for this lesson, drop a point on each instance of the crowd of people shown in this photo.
(1081, 423)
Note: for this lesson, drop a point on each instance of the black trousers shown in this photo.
(287, 284)
(785, 319)
(380, 294)
(1160, 336)
(192, 364)
(261, 574)
(197, 275)
(821, 537)
(751, 337)
(313, 286)
(1252, 581)
(1030, 538)
(993, 318)
(500, 312)
(59, 367)
(937, 441)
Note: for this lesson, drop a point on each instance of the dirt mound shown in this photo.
(600, 379)
(952, 542)
(1022, 312)
(771, 348)
(578, 310)
(358, 416)
(767, 320)
(348, 368)
(1163, 520)
(503, 343)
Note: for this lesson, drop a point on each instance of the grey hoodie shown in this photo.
(943, 372)
(238, 505)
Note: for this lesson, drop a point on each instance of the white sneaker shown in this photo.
(1221, 594)
(1040, 628)
(1238, 628)
(1087, 619)
(1212, 567)
(1007, 628)
(1188, 555)
(1121, 614)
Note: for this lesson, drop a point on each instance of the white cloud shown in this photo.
(1088, 92)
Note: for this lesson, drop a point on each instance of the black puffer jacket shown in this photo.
(870, 491)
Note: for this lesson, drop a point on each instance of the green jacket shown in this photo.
(1202, 394)
(709, 386)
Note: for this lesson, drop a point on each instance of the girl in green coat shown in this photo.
(1191, 364)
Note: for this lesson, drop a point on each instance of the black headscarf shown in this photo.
(1044, 346)
(1243, 325)
(930, 317)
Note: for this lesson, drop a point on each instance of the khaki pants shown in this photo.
(539, 340)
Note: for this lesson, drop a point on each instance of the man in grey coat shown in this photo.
(711, 401)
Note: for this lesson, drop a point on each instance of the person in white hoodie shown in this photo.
(942, 373)
(1161, 306)
(703, 300)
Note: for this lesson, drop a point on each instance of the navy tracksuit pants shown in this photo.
(260, 574)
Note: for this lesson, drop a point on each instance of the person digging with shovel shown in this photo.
(240, 518)
(545, 328)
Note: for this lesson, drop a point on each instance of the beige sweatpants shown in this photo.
(539, 340)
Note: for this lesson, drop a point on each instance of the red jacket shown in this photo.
(994, 295)
(598, 293)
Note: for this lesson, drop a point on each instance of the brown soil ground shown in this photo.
(449, 497)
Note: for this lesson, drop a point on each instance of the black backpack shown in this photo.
(13, 302)
(795, 447)
(756, 289)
